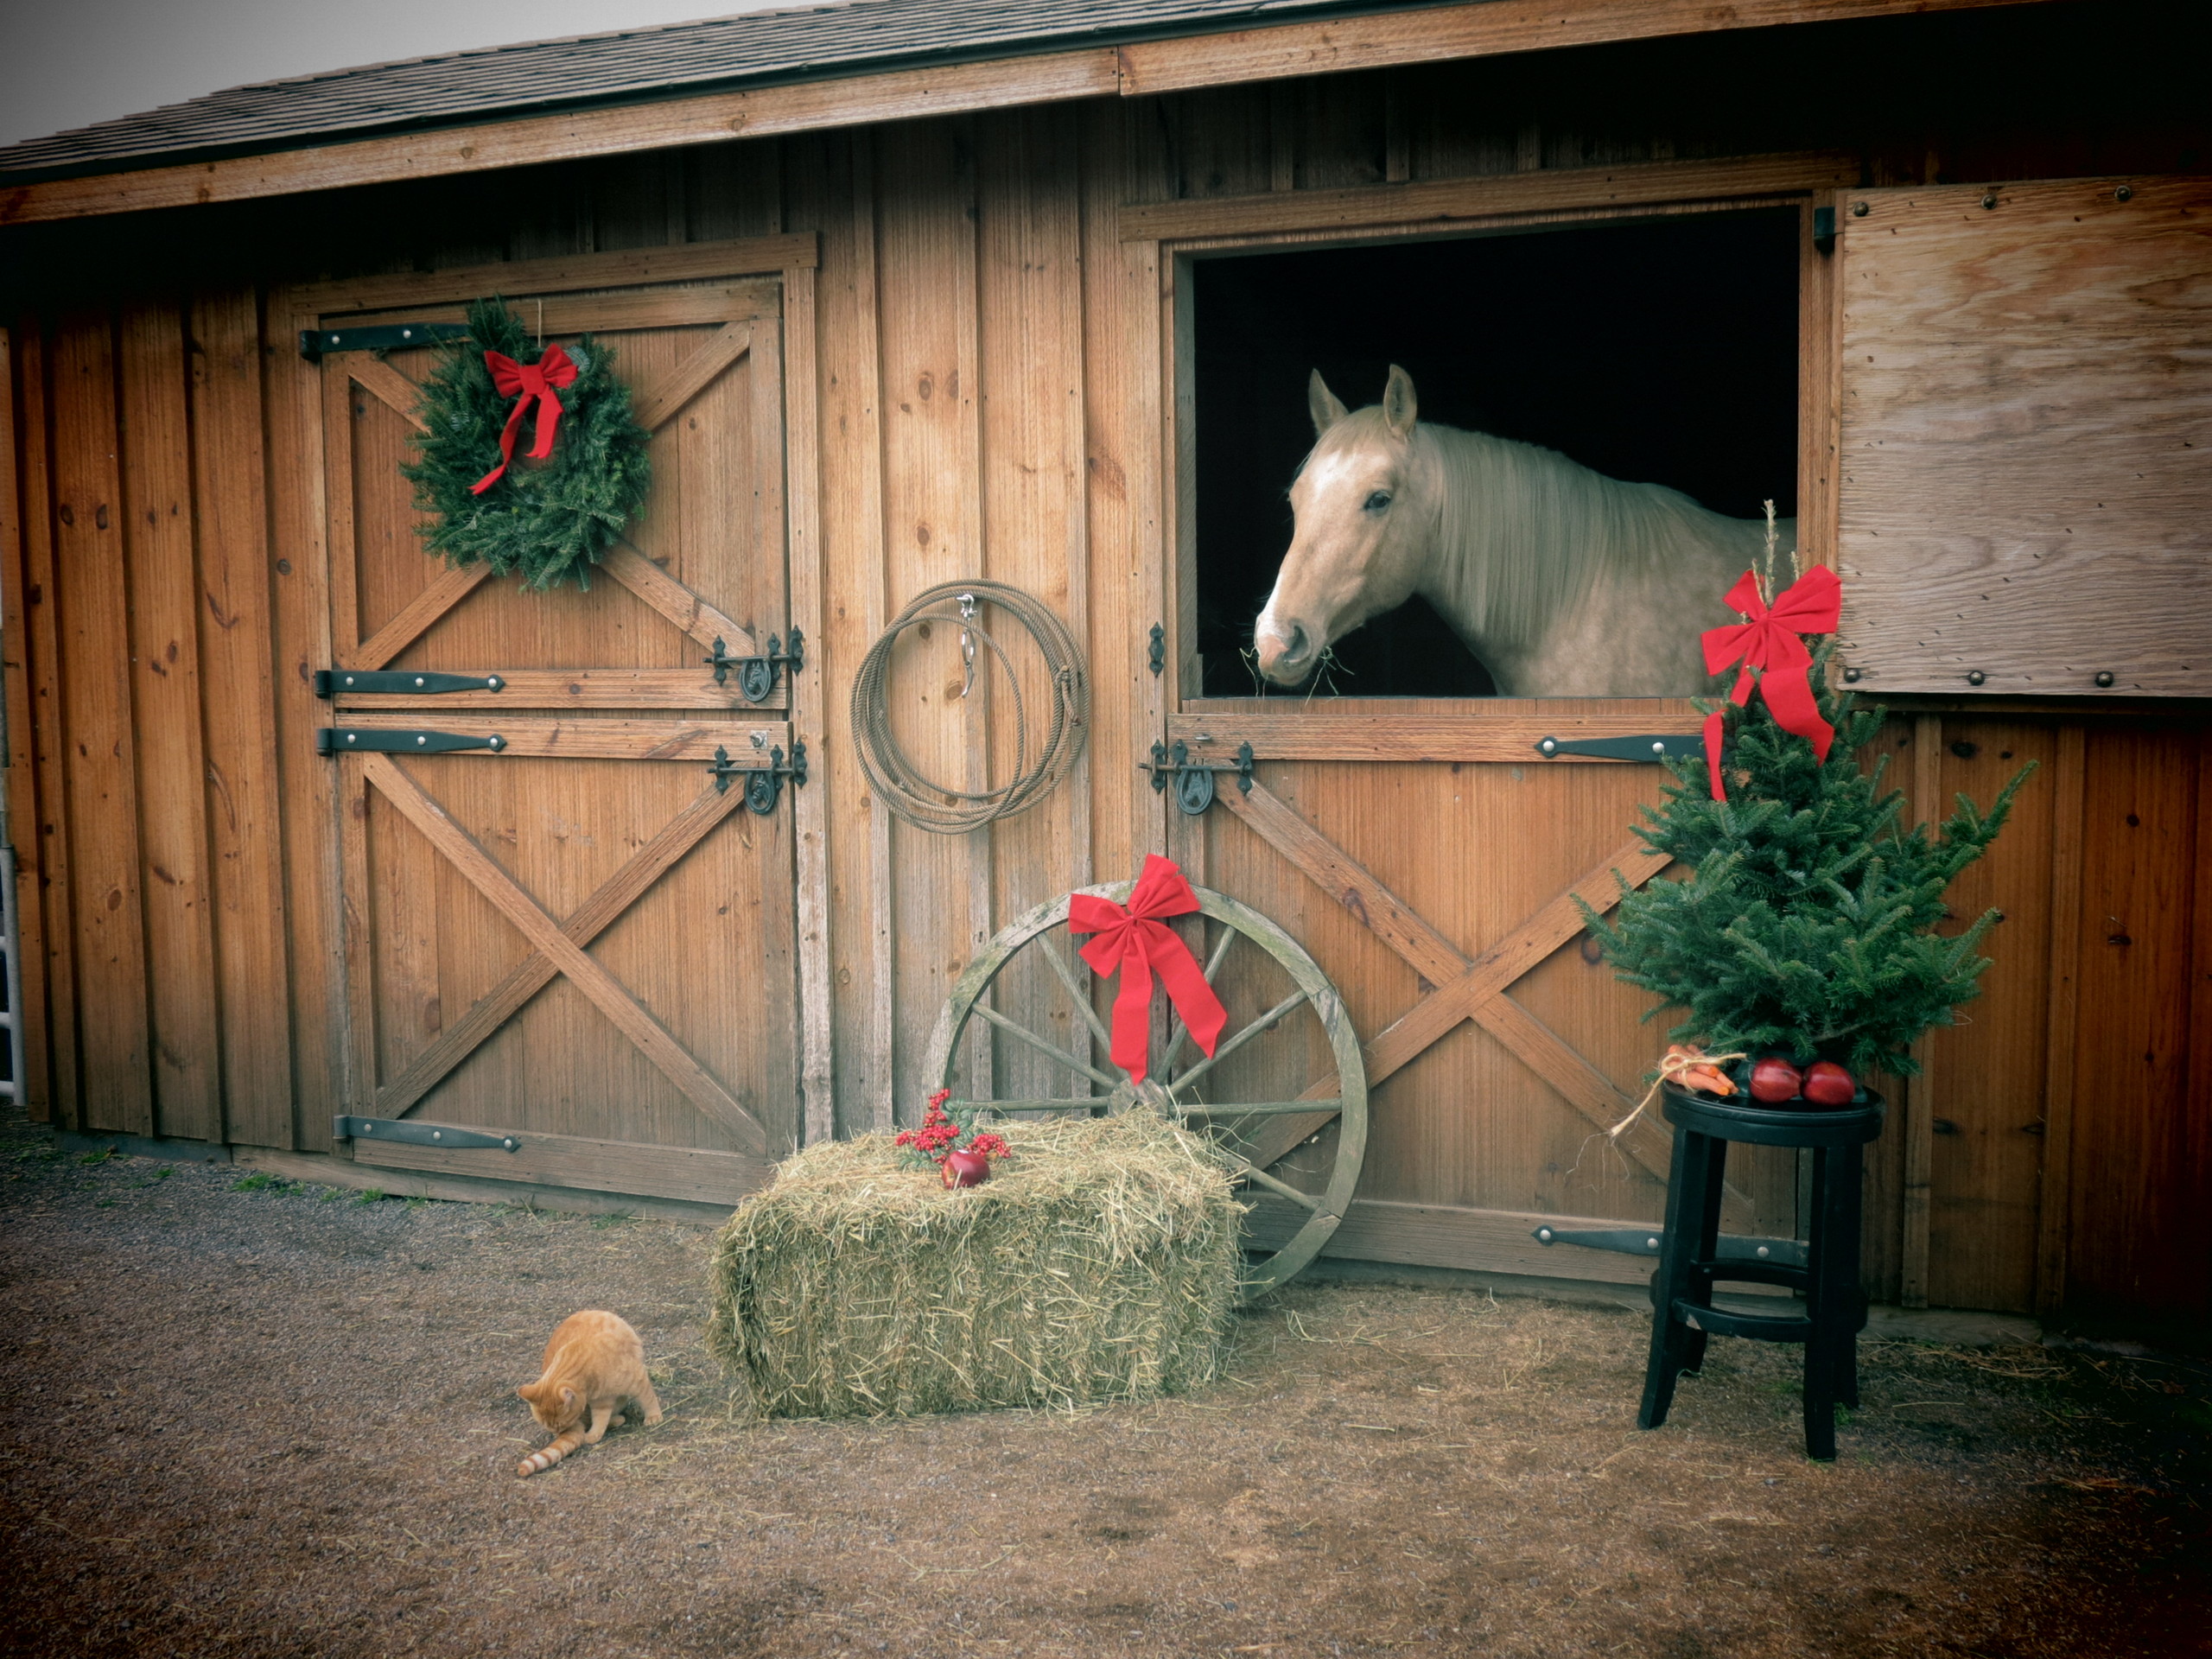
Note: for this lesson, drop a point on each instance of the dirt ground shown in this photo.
(247, 1418)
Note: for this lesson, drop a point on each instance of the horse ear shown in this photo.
(1324, 405)
(1400, 408)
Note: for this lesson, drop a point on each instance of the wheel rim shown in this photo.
(1267, 1128)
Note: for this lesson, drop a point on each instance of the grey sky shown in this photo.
(68, 63)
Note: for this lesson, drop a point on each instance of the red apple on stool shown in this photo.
(1827, 1083)
(1773, 1080)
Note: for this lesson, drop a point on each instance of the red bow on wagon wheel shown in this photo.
(538, 383)
(1134, 941)
(1768, 641)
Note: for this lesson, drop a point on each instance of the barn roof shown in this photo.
(628, 64)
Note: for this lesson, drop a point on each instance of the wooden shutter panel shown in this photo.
(2026, 436)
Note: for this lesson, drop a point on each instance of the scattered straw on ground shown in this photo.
(1099, 1262)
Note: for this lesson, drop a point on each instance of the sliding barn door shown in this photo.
(565, 832)
(2025, 504)
(1429, 855)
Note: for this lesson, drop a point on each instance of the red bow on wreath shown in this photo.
(527, 384)
(1768, 643)
(1140, 946)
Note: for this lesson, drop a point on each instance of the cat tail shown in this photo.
(545, 1458)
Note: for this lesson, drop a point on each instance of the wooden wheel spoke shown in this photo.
(1077, 1103)
(1247, 1170)
(1180, 1031)
(1229, 1046)
(1228, 1111)
(1076, 995)
(1051, 1049)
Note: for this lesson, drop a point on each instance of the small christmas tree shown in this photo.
(1807, 926)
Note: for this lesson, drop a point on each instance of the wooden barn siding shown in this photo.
(981, 256)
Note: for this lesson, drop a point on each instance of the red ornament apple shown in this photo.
(1827, 1083)
(1773, 1080)
(966, 1167)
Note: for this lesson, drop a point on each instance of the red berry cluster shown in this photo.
(941, 1134)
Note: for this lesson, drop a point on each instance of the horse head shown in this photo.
(1363, 528)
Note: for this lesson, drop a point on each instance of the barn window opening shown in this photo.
(1659, 350)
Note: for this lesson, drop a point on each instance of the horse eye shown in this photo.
(1379, 501)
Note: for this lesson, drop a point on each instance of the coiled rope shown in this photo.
(892, 773)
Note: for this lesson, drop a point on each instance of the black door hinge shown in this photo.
(315, 343)
(351, 739)
(1824, 229)
(1156, 653)
(1648, 746)
(756, 676)
(400, 682)
(1193, 779)
(1649, 1241)
(764, 785)
(344, 1127)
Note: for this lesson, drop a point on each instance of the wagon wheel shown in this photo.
(1273, 990)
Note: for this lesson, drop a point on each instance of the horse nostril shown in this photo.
(1296, 648)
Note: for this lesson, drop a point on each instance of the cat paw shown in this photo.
(653, 1419)
(615, 1421)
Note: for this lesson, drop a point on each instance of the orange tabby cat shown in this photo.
(594, 1361)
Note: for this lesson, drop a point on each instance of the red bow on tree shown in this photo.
(1768, 643)
(1140, 946)
(527, 384)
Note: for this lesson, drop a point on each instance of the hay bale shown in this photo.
(1099, 1262)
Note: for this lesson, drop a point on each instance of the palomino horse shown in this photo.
(1564, 582)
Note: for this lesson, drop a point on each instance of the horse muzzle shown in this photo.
(1285, 659)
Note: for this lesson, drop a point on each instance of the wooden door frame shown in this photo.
(1458, 987)
(790, 262)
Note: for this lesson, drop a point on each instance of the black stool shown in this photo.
(1682, 1313)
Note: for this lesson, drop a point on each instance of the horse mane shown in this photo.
(1523, 534)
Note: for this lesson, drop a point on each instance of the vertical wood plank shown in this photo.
(2053, 1202)
(1121, 426)
(241, 724)
(860, 432)
(362, 1072)
(1987, 1152)
(101, 739)
(974, 711)
(33, 1090)
(1030, 294)
(925, 224)
(48, 841)
(34, 1084)
(1919, 1131)
(809, 814)
(1184, 672)
(2129, 1252)
(1819, 388)
(164, 604)
(772, 419)
(2190, 1302)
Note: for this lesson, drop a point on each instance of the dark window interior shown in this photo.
(1659, 350)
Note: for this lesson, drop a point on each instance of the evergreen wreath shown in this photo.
(547, 521)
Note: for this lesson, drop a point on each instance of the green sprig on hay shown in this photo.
(1101, 1262)
(547, 521)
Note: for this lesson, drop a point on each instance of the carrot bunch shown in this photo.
(1690, 1066)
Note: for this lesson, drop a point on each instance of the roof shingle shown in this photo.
(748, 49)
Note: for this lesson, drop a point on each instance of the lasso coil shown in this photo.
(894, 775)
